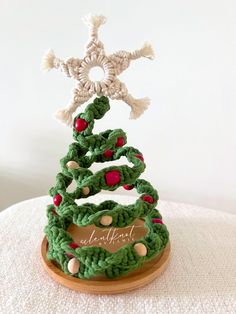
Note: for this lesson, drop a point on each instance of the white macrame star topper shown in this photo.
(112, 66)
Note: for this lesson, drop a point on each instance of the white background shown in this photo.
(188, 135)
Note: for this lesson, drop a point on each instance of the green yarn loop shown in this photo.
(96, 260)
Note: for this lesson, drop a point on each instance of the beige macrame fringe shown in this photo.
(112, 66)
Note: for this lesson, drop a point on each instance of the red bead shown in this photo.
(148, 199)
(73, 245)
(157, 221)
(57, 199)
(128, 187)
(120, 142)
(80, 124)
(139, 157)
(112, 177)
(108, 153)
(69, 254)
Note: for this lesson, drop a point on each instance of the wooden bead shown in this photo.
(140, 249)
(72, 164)
(73, 266)
(106, 220)
(86, 190)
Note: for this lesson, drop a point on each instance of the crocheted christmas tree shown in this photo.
(88, 261)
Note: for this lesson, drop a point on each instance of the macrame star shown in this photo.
(112, 66)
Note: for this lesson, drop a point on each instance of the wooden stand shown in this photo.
(112, 240)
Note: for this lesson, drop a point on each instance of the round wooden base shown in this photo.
(101, 285)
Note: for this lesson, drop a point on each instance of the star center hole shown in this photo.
(96, 73)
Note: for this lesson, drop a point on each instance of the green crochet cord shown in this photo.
(96, 260)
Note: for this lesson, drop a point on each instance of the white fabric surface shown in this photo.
(201, 277)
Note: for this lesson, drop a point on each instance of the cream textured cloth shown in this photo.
(201, 277)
